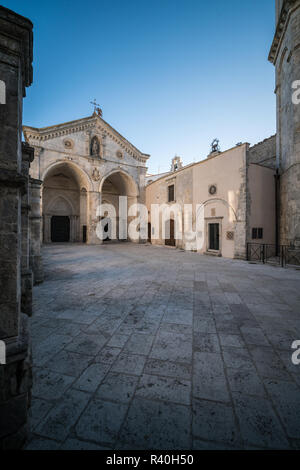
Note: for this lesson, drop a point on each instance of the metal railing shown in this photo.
(282, 255)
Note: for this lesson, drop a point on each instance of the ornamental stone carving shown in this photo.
(96, 174)
(95, 147)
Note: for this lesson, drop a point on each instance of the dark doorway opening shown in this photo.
(149, 232)
(214, 237)
(84, 233)
(107, 232)
(171, 241)
(60, 228)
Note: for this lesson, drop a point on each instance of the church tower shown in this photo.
(285, 55)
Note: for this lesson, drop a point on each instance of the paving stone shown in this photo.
(38, 410)
(157, 425)
(101, 421)
(91, 378)
(76, 444)
(168, 369)
(89, 344)
(245, 381)
(228, 340)
(259, 424)
(129, 363)
(237, 358)
(117, 387)
(254, 336)
(286, 400)
(40, 443)
(204, 325)
(107, 355)
(50, 385)
(268, 364)
(206, 342)
(179, 316)
(173, 328)
(69, 363)
(205, 445)
(164, 388)
(282, 339)
(139, 343)
(174, 347)
(118, 341)
(209, 380)
(233, 298)
(63, 415)
(48, 347)
(214, 421)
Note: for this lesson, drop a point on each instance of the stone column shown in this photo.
(73, 228)
(35, 231)
(15, 376)
(26, 272)
(94, 199)
(47, 228)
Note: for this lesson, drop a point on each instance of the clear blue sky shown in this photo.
(170, 75)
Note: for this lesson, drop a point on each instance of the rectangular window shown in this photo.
(260, 233)
(257, 233)
(171, 193)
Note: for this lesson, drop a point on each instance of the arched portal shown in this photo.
(114, 185)
(64, 204)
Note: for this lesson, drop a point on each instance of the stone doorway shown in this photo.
(214, 236)
(170, 228)
(60, 228)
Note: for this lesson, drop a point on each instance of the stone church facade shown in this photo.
(82, 164)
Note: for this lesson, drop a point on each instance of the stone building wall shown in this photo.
(263, 153)
(15, 273)
(285, 55)
(227, 206)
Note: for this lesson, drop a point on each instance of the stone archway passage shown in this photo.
(60, 228)
(113, 186)
(64, 204)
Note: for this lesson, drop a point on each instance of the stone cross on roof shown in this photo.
(97, 108)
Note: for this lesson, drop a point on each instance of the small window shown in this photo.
(257, 233)
(171, 193)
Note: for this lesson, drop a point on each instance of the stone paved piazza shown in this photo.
(143, 347)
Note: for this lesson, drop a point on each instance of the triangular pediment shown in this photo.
(94, 123)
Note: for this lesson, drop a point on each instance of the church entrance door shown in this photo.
(60, 228)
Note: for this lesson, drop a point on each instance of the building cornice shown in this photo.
(288, 7)
(85, 124)
(16, 40)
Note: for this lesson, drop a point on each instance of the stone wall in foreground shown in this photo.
(15, 271)
(285, 55)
